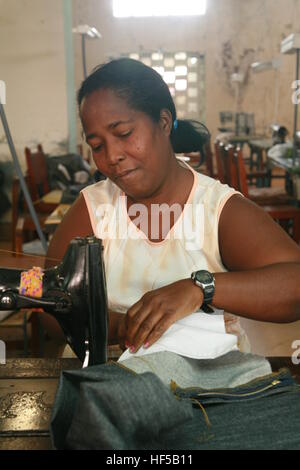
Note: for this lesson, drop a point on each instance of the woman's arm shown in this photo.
(264, 282)
(76, 223)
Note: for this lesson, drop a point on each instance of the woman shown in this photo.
(128, 118)
(175, 241)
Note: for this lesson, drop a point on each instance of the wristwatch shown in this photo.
(206, 281)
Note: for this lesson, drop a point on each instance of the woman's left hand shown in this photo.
(157, 310)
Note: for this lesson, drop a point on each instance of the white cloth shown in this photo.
(135, 265)
(198, 336)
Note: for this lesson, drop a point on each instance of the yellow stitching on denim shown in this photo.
(274, 375)
(203, 411)
(173, 386)
(267, 387)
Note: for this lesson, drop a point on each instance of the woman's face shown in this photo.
(127, 146)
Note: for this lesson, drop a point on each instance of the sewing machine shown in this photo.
(74, 292)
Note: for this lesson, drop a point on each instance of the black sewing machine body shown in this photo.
(74, 292)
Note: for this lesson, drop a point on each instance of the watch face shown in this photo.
(204, 277)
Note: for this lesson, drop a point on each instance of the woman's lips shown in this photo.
(126, 174)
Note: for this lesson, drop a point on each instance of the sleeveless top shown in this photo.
(135, 265)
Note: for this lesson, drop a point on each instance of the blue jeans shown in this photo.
(112, 407)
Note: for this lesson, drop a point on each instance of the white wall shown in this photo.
(32, 64)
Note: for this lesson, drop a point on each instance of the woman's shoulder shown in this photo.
(102, 191)
(209, 188)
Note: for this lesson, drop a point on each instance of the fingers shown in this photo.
(147, 325)
(156, 311)
(140, 321)
(143, 332)
(160, 328)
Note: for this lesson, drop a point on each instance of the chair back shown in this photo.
(219, 146)
(227, 172)
(231, 171)
(37, 172)
(240, 170)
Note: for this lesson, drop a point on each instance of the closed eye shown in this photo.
(97, 148)
(126, 134)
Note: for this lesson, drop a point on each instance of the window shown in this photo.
(184, 73)
(140, 8)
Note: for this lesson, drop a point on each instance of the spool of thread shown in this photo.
(31, 282)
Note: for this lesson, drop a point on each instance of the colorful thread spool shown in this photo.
(31, 282)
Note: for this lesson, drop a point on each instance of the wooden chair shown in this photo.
(287, 215)
(38, 182)
(23, 227)
(206, 167)
(261, 196)
(219, 148)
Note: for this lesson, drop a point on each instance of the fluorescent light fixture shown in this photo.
(269, 65)
(290, 44)
(140, 8)
(86, 30)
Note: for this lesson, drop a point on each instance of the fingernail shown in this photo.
(146, 345)
(132, 349)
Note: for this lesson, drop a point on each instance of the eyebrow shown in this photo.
(113, 125)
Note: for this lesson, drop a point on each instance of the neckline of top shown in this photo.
(143, 235)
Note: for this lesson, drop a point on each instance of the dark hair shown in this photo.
(145, 90)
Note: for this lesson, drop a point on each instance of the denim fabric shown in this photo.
(231, 369)
(263, 387)
(266, 420)
(111, 407)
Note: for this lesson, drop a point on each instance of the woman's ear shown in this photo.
(166, 121)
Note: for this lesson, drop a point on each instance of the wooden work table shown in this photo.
(27, 392)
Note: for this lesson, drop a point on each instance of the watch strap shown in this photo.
(208, 288)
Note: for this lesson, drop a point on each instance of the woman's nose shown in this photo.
(114, 154)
